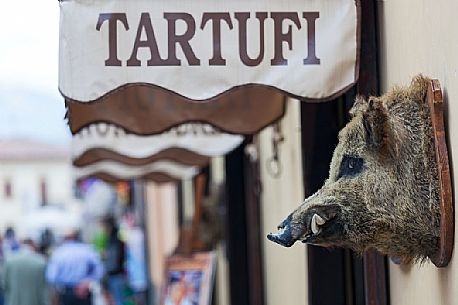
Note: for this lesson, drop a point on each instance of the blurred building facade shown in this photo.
(33, 175)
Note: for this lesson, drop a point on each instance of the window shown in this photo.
(8, 189)
(43, 191)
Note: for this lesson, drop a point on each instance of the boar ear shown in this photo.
(359, 105)
(375, 123)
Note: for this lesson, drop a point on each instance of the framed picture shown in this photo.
(189, 280)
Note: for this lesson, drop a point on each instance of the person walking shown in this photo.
(114, 261)
(23, 278)
(10, 244)
(72, 268)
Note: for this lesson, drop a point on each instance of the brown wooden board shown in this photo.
(147, 110)
(375, 278)
(179, 155)
(447, 225)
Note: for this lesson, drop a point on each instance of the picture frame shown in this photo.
(189, 280)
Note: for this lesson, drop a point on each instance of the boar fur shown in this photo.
(383, 189)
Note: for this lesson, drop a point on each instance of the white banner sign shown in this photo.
(201, 48)
(199, 138)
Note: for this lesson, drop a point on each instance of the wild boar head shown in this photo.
(382, 190)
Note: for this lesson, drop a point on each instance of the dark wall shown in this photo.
(243, 236)
(236, 230)
(335, 275)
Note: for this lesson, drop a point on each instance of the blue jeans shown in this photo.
(67, 297)
(116, 284)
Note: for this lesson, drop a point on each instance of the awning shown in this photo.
(200, 139)
(144, 110)
(120, 171)
(154, 177)
(177, 155)
(150, 65)
(108, 152)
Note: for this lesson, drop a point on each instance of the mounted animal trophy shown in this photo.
(388, 186)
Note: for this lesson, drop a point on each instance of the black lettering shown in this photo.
(112, 18)
(150, 43)
(243, 38)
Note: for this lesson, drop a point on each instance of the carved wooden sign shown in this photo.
(202, 48)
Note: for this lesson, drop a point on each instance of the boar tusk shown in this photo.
(317, 220)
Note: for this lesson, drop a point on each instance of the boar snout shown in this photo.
(284, 237)
(305, 225)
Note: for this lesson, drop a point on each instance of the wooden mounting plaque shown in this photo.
(436, 107)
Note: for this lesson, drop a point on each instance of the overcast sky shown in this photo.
(30, 104)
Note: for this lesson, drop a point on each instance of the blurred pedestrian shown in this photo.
(10, 244)
(136, 264)
(114, 261)
(46, 241)
(23, 277)
(2, 263)
(73, 267)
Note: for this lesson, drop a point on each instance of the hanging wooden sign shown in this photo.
(202, 48)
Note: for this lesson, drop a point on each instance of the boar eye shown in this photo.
(350, 166)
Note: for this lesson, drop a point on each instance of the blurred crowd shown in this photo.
(46, 271)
